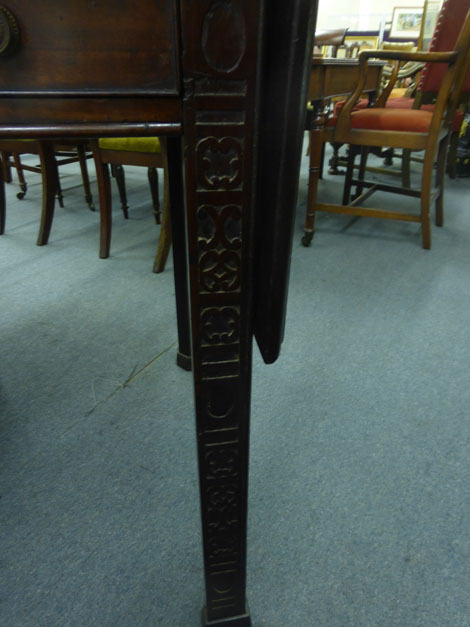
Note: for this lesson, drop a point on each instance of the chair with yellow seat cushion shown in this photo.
(148, 152)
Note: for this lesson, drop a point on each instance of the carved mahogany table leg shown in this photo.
(220, 61)
(316, 143)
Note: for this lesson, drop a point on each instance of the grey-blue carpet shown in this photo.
(359, 503)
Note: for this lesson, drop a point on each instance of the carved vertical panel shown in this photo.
(220, 62)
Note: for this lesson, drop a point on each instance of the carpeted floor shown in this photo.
(360, 475)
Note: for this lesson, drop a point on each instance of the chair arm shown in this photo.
(397, 55)
(343, 124)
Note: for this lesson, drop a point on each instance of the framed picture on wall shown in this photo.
(430, 14)
(353, 44)
(406, 22)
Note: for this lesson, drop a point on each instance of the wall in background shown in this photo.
(359, 15)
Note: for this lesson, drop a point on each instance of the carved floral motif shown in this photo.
(222, 507)
(222, 462)
(219, 271)
(219, 162)
(223, 547)
(219, 226)
(220, 325)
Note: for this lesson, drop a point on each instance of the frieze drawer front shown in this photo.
(100, 46)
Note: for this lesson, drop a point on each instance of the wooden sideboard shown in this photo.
(233, 109)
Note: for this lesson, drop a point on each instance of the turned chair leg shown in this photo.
(353, 152)
(152, 174)
(85, 178)
(334, 161)
(118, 173)
(21, 180)
(59, 194)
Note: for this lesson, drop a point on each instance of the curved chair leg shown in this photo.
(152, 174)
(50, 176)
(164, 241)
(104, 191)
(426, 184)
(440, 176)
(405, 168)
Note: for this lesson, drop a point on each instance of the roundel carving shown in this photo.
(223, 36)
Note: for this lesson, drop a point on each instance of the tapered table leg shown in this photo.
(220, 70)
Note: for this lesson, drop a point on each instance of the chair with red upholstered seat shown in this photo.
(446, 31)
(415, 129)
(447, 28)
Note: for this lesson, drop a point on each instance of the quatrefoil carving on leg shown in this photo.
(219, 162)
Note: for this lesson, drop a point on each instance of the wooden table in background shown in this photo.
(329, 78)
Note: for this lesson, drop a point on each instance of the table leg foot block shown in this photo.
(244, 620)
(184, 361)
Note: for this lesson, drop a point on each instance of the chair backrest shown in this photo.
(450, 20)
(404, 46)
(456, 76)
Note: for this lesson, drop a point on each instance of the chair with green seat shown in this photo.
(149, 152)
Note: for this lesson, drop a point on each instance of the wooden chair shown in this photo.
(51, 155)
(391, 75)
(446, 31)
(415, 129)
(68, 151)
(149, 152)
(450, 18)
